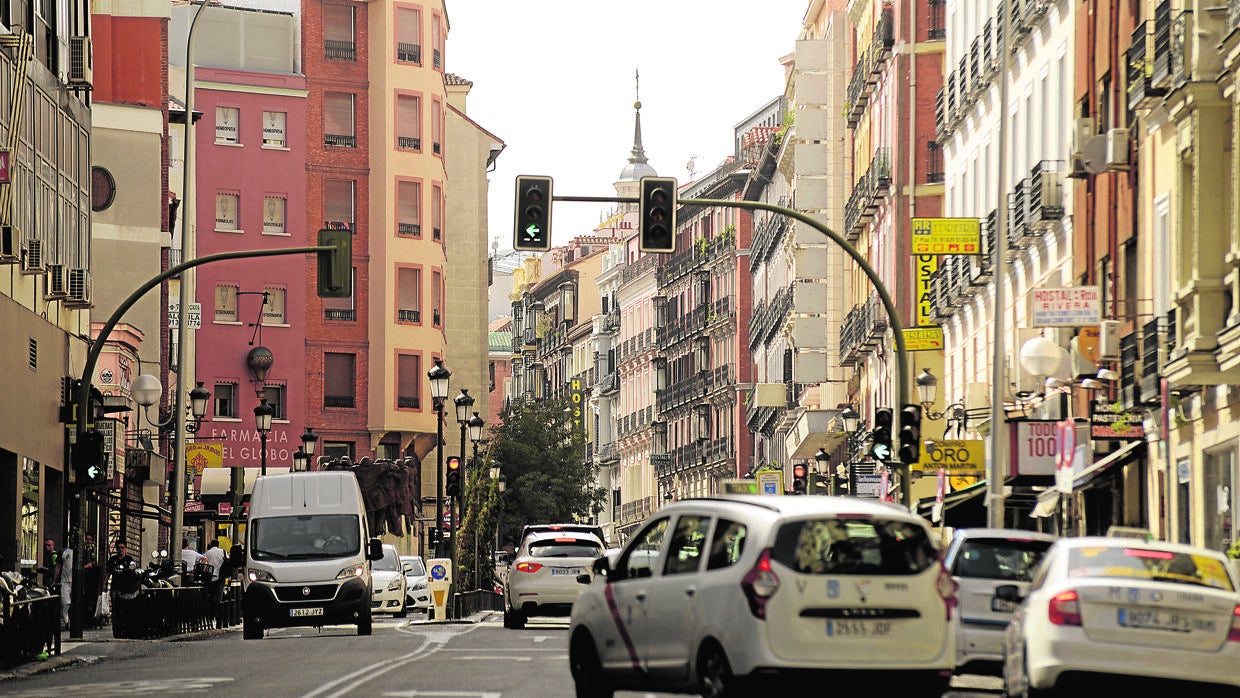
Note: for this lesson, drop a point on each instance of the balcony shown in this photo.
(336, 140)
(339, 50)
(1150, 388)
(766, 240)
(937, 28)
(338, 401)
(934, 163)
(639, 268)
(962, 84)
(346, 314)
(943, 126)
(408, 403)
(608, 453)
(409, 316)
(989, 64)
(1045, 200)
(860, 87)
(1141, 90)
(408, 53)
(635, 512)
(977, 72)
(413, 230)
(680, 392)
(611, 321)
(1233, 15)
(609, 384)
(862, 330)
(1182, 44)
(1160, 77)
(408, 143)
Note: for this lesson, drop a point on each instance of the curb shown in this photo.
(67, 659)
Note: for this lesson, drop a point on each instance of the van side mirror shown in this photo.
(374, 549)
(1009, 592)
(407, 567)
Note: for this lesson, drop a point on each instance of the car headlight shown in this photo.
(259, 576)
(418, 586)
(351, 571)
(394, 585)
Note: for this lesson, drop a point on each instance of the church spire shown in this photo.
(638, 167)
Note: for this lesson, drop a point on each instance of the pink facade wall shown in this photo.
(254, 173)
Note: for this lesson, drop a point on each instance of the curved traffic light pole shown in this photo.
(83, 397)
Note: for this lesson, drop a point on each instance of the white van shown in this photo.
(307, 559)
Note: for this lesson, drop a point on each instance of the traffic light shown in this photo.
(335, 265)
(910, 434)
(880, 443)
(798, 479)
(533, 214)
(89, 460)
(657, 214)
(452, 485)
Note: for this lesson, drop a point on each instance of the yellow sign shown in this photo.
(203, 455)
(947, 236)
(923, 338)
(956, 457)
(1087, 343)
(927, 264)
(739, 486)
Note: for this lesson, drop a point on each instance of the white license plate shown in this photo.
(1002, 605)
(555, 571)
(299, 612)
(858, 628)
(1163, 620)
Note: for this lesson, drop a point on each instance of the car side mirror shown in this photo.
(374, 549)
(584, 579)
(1009, 592)
(407, 568)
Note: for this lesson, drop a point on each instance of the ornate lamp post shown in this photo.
(438, 378)
(309, 440)
(474, 425)
(463, 402)
(262, 422)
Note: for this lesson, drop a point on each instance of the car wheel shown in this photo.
(365, 624)
(1021, 689)
(715, 679)
(514, 619)
(586, 669)
(251, 630)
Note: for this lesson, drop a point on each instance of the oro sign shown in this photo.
(954, 456)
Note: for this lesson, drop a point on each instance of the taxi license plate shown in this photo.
(299, 612)
(556, 571)
(858, 628)
(1002, 605)
(1162, 620)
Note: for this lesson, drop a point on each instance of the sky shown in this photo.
(554, 80)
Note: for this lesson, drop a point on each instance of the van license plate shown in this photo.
(999, 605)
(858, 628)
(299, 612)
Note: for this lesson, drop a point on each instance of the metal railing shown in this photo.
(340, 50)
(161, 612)
(28, 629)
(336, 140)
(467, 603)
(408, 53)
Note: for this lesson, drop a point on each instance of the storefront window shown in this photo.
(1219, 495)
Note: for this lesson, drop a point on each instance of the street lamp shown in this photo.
(501, 484)
(852, 420)
(309, 440)
(262, 422)
(146, 390)
(259, 361)
(475, 432)
(463, 402)
(438, 378)
(822, 463)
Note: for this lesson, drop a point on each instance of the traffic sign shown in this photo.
(194, 317)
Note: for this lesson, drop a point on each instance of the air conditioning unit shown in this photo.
(1117, 149)
(79, 288)
(56, 284)
(32, 257)
(80, 71)
(9, 247)
(1083, 130)
(1108, 340)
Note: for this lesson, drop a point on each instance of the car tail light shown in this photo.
(760, 584)
(529, 566)
(1234, 634)
(1064, 609)
(946, 586)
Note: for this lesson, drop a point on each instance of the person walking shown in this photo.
(189, 557)
(92, 581)
(215, 588)
(65, 571)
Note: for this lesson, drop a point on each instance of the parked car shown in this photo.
(417, 597)
(980, 560)
(389, 584)
(715, 591)
(542, 580)
(1124, 608)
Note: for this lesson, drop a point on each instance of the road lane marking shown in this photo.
(432, 641)
(171, 686)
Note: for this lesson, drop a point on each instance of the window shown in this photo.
(408, 381)
(225, 304)
(436, 42)
(436, 126)
(338, 200)
(409, 208)
(336, 449)
(227, 129)
(338, 33)
(225, 396)
(275, 134)
(273, 307)
(643, 557)
(226, 206)
(409, 294)
(436, 212)
(275, 400)
(854, 546)
(727, 545)
(684, 553)
(273, 214)
(436, 280)
(409, 122)
(338, 379)
(341, 308)
(338, 120)
(408, 35)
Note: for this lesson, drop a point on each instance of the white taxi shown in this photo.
(1119, 608)
(542, 580)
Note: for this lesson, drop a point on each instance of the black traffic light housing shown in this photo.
(657, 214)
(910, 434)
(335, 265)
(532, 230)
(89, 460)
(452, 484)
(799, 485)
(880, 443)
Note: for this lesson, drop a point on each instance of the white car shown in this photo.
(1122, 608)
(750, 589)
(542, 580)
(980, 560)
(387, 581)
(417, 596)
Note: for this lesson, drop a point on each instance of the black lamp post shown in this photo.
(475, 425)
(463, 402)
(262, 422)
(501, 483)
(438, 377)
(822, 462)
(309, 440)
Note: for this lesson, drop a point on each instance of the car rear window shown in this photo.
(1009, 559)
(570, 547)
(854, 546)
(1145, 563)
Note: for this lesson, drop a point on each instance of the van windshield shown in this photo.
(305, 537)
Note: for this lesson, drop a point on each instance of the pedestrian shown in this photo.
(51, 563)
(215, 588)
(66, 584)
(92, 580)
(189, 556)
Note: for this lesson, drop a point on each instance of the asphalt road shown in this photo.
(405, 658)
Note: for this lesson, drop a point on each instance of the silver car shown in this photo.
(542, 579)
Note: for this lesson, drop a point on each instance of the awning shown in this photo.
(1128, 451)
(1048, 504)
(952, 500)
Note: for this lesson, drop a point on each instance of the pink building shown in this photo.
(251, 188)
